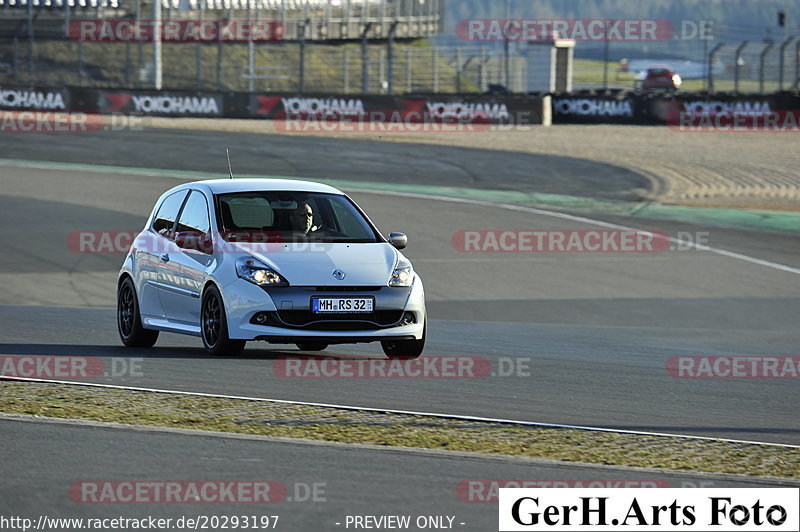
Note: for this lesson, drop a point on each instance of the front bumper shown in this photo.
(292, 322)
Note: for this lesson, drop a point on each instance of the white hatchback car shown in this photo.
(287, 262)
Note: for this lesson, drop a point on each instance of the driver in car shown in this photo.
(302, 219)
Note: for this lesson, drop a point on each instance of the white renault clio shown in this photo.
(287, 262)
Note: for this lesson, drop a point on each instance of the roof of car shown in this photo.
(227, 186)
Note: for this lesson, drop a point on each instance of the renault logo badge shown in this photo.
(339, 274)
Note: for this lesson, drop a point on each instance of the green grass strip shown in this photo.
(345, 426)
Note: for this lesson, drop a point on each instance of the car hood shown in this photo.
(313, 264)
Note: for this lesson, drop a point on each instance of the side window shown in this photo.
(348, 220)
(243, 213)
(195, 214)
(168, 212)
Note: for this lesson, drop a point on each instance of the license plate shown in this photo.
(342, 305)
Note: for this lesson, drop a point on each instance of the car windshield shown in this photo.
(291, 216)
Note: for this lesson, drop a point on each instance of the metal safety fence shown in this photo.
(375, 68)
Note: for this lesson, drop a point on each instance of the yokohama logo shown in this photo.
(590, 107)
(31, 99)
(175, 105)
(494, 111)
(726, 107)
(324, 106)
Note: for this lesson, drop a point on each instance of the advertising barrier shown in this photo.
(587, 107)
(34, 99)
(437, 108)
(675, 110)
(161, 103)
(524, 109)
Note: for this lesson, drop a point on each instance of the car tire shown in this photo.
(129, 320)
(312, 346)
(214, 325)
(405, 349)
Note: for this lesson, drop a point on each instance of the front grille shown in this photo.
(342, 326)
(302, 318)
(307, 320)
(342, 288)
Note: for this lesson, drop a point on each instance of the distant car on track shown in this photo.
(287, 262)
(658, 78)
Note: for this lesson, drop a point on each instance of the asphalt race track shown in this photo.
(351, 481)
(589, 334)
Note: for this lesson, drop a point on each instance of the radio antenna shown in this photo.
(228, 155)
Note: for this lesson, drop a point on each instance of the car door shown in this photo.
(151, 246)
(187, 263)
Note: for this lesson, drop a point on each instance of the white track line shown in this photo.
(599, 223)
(400, 412)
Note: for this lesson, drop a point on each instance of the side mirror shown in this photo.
(194, 240)
(398, 240)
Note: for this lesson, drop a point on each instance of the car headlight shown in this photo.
(258, 273)
(403, 274)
